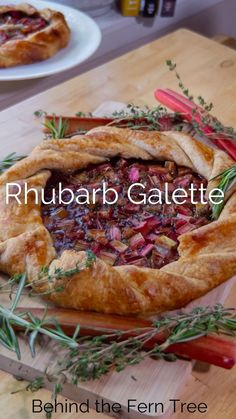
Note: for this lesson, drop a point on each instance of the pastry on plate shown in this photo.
(28, 35)
(149, 257)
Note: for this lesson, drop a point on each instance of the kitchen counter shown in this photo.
(207, 68)
(119, 35)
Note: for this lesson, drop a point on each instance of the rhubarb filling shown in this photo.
(18, 25)
(125, 233)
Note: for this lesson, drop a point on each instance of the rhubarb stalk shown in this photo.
(192, 112)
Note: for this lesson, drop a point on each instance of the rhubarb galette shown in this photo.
(28, 35)
(149, 257)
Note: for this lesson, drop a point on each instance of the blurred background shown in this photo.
(128, 24)
(209, 17)
(212, 18)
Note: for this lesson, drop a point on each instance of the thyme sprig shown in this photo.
(137, 118)
(9, 161)
(96, 356)
(82, 114)
(57, 128)
(46, 277)
(88, 358)
(136, 112)
(39, 113)
(173, 67)
(227, 180)
(35, 385)
(207, 119)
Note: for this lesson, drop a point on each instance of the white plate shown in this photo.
(85, 39)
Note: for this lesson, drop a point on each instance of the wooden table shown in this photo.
(207, 68)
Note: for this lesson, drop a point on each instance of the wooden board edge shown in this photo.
(79, 395)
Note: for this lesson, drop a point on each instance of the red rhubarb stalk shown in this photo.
(212, 349)
(75, 123)
(189, 111)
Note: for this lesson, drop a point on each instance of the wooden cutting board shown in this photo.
(150, 382)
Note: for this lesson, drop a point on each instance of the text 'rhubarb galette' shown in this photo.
(28, 35)
(149, 257)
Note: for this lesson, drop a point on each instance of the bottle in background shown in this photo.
(168, 8)
(130, 7)
(149, 8)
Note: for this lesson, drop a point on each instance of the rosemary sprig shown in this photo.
(57, 129)
(227, 179)
(33, 326)
(9, 160)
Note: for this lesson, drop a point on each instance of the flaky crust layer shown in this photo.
(207, 255)
(39, 45)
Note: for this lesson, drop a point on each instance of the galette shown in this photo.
(148, 257)
(28, 35)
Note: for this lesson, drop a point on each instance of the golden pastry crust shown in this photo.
(36, 46)
(207, 254)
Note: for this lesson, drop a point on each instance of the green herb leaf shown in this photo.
(19, 291)
(57, 129)
(227, 179)
(228, 133)
(9, 161)
(80, 114)
(39, 113)
(145, 118)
